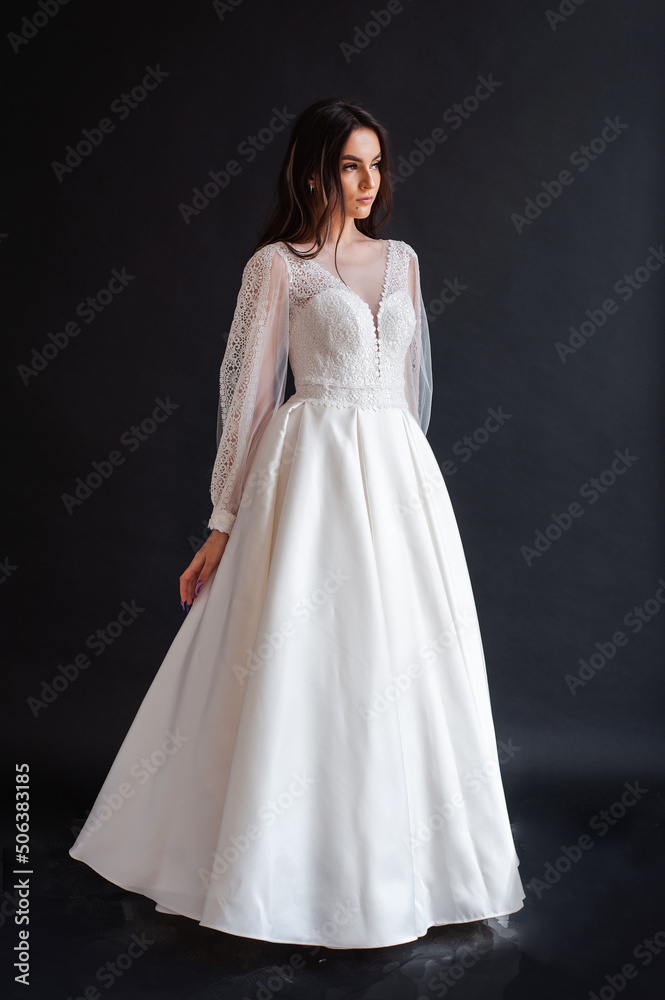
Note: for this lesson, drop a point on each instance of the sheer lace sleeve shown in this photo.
(252, 378)
(418, 375)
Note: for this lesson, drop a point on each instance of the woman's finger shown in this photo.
(188, 580)
(200, 568)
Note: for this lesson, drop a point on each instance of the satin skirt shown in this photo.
(315, 761)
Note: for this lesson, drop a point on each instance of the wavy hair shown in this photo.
(315, 148)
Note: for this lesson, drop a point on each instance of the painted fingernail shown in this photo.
(198, 587)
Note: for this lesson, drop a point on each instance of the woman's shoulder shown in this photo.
(279, 255)
(265, 252)
(261, 260)
(264, 256)
(406, 248)
(307, 247)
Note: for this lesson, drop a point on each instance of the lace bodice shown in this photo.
(294, 309)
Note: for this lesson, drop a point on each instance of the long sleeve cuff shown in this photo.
(222, 520)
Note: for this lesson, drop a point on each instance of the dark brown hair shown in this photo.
(315, 147)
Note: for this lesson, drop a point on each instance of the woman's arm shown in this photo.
(251, 387)
(418, 372)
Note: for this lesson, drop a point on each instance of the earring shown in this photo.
(311, 187)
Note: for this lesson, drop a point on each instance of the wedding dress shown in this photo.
(315, 760)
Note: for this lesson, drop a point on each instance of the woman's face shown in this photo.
(360, 172)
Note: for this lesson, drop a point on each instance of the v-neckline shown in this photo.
(375, 319)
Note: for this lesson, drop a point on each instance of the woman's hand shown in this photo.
(201, 566)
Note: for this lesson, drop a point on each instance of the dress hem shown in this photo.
(306, 944)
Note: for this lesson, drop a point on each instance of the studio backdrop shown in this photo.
(143, 142)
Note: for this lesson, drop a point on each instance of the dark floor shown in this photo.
(584, 932)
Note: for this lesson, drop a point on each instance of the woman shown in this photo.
(315, 761)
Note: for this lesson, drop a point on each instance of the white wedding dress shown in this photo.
(315, 760)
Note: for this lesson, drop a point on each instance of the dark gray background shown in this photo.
(494, 346)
